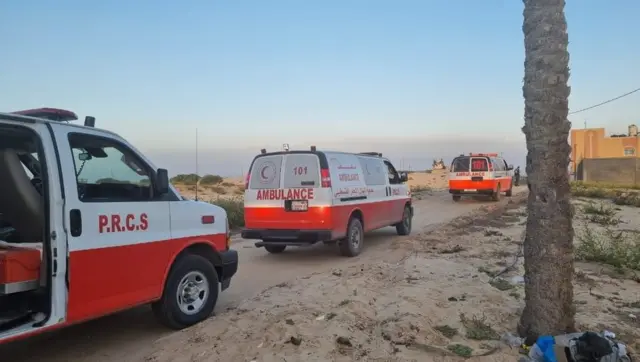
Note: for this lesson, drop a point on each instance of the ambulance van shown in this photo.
(89, 227)
(480, 174)
(297, 198)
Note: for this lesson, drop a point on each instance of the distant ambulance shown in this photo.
(296, 198)
(480, 174)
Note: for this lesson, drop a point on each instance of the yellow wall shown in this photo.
(592, 143)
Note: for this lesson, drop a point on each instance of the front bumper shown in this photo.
(228, 268)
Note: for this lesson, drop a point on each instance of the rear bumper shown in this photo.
(475, 192)
(286, 237)
(229, 267)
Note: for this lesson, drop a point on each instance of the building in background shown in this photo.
(611, 152)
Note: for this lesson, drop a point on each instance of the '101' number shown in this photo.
(300, 170)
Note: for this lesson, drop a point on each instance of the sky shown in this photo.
(414, 79)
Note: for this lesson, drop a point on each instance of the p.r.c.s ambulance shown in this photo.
(296, 198)
(89, 226)
(480, 174)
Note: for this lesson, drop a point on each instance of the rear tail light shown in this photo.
(325, 178)
(246, 180)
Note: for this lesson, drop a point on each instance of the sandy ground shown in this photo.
(437, 179)
(434, 297)
(135, 336)
(229, 188)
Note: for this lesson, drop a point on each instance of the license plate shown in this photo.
(470, 190)
(301, 205)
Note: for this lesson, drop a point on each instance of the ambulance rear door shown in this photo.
(285, 192)
(470, 173)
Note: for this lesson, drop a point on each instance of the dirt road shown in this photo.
(128, 336)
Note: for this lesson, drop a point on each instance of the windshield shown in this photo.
(113, 168)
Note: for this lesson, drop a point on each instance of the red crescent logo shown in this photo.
(268, 172)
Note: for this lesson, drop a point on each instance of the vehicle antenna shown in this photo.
(197, 176)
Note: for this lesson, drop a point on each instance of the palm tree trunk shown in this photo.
(548, 246)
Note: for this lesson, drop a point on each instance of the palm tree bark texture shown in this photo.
(548, 245)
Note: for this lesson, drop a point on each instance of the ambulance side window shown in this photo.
(373, 171)
(108, 171)
(394, 178)
(497, 165)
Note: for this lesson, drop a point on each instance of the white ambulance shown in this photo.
(480, 174)
(296, 198)
(89, 226)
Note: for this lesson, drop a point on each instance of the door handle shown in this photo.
(75, 222)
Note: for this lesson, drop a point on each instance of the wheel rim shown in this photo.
(193, 292)
(354, 237)
(406, 220)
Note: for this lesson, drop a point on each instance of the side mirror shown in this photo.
(404, 177)
(162, 181)
(510, 167)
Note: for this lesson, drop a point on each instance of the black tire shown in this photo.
(404, 227)
(351, 245)
(275, 249)
(456, 198)
(168, 309)
(509, 192)
(496, 195)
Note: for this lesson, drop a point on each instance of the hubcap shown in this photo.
(193, 292)
(354, 238)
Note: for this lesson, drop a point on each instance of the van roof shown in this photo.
(323, 155)
(362, 154)
(471, 154)
(17, 117)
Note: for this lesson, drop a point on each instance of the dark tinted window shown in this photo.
(460, 164)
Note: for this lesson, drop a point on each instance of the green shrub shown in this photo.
(211, 180)
(234, 209)
(619, 249)
(619, 194)
(219, 190)
(185, 179)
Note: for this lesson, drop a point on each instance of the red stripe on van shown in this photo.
(335, 218)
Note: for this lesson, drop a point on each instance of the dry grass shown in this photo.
(478, 329)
